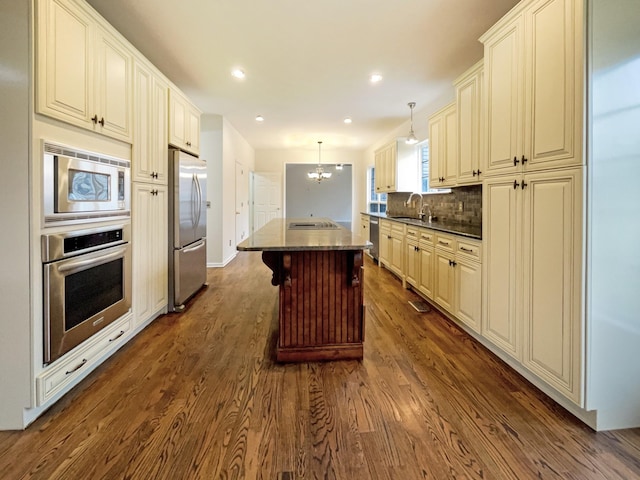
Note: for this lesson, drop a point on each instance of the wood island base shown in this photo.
(321, 311)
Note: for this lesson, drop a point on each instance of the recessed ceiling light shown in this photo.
(259, 118)
(348, 120)
(375, 78)
(237, 73)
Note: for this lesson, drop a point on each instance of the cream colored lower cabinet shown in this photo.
(397, 249)
(444, 284)
(76, 364)
(532, 284)
(384, 242)
(468, 283)
(149, 222)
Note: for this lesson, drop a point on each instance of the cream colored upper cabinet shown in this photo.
(83, 72)
(396, 168)
(443, 147)
(184, 123)
(468, 100)
(533, 84)
(150, 154)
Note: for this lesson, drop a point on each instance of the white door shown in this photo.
(267, 198)
(242, 203)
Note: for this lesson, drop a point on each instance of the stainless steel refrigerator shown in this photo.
(187, 227)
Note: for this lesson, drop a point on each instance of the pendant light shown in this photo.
(319, 174)
(411, 138)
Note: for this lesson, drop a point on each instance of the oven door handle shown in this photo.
(77, 265)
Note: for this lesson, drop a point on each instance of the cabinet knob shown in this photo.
(515, 161)
(94, 119)
(515, 184)
(479, 172)
(188, 144)
(474, 173)
(524, 160)
(524, 184)
(101, 122)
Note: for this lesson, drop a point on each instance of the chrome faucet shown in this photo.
(408, 202)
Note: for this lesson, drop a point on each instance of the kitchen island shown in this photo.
(317, 265)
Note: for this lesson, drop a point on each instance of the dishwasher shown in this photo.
(374, 233)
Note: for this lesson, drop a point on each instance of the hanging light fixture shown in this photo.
(411, 138)
(319, 174)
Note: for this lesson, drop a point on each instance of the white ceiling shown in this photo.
(308, 63)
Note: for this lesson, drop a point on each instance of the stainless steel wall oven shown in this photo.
(87, 284)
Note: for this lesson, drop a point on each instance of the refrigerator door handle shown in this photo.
(196, 246)
(194, 199)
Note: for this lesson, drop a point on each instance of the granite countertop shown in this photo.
(298, 234)
(462, 229)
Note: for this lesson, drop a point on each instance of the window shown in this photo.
(376, 202)
(423, 154)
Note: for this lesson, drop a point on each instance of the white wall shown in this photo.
(15, 315)
(275, 161)
(613, 276)
(222, 147)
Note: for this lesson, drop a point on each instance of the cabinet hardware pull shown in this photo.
(524, 184)
(453, 263)
(117, 336)
(466, 250)
(479, 172)
(515, 184)
(188, 144)
(474, 173)
(94, 119)
(78, 367)
(101, 122)
(443, 243)
(515, 161)
(524, 160)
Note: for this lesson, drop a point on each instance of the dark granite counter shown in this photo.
(465, 230)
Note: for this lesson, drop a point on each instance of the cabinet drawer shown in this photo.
(413, 234)
(426, 236)
(469, 249)
(397, 228)
(68, 370)
(445, 242)
(385, 225)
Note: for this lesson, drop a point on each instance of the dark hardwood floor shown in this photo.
(199, 396)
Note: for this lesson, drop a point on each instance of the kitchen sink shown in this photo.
(319, 225)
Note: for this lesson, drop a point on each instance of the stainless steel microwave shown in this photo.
(81, 185)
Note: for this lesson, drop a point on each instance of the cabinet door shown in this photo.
(449, 160)
(114, 67)
(64, 73)
(436, 127)
(553, 84)
(149, 221)
(444, 280)
(397, 254)
(503, 56)
(425, 285)
(552, 278)
(193, 133)
(384, 245)
(142, 152)
(501, 237)
(412, 269)
(468, 93)
(150, 133)
(468, 278)
(178, 118)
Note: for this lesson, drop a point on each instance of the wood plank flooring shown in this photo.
(198, 396)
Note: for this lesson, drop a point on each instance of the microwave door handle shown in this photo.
(77, 265)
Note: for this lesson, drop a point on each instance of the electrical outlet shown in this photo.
(460, 206)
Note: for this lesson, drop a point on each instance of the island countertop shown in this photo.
(303, 234)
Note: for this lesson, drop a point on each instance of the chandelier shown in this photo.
(319, 174)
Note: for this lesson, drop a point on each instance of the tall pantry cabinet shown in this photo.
(533, 189)
(150, 196)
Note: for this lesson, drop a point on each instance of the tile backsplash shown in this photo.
(445, 206)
